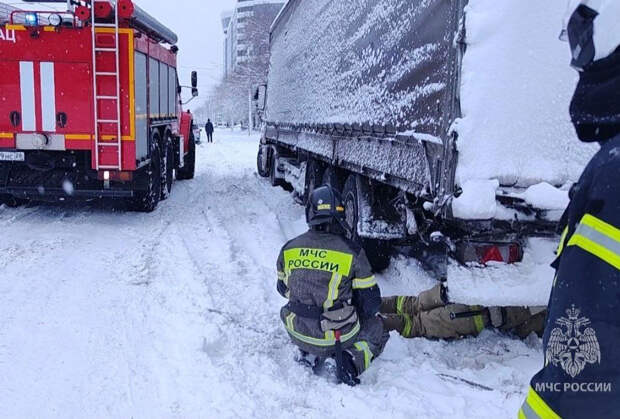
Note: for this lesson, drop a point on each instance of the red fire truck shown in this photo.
(90, 106)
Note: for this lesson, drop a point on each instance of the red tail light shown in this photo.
(490, 254)
(483, 253)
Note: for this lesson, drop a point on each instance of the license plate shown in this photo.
(12, 156)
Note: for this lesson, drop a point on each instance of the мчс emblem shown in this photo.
(570, 347)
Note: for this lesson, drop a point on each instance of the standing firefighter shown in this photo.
(333, 297)
(581, 375)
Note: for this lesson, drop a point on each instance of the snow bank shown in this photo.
(516, 89)
(525, 283)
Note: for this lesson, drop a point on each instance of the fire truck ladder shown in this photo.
(98, 75)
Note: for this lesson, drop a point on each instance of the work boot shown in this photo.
(434, 298)
(518, 320)
(427, 300)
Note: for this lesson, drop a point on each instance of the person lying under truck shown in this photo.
(430, 315)
(335, 309)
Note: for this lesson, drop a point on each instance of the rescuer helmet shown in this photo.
(324, 207)
(592, 29)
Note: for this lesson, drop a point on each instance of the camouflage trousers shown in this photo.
(429, 315)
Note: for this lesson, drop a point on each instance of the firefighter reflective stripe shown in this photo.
(408, 326)
(362, 346)
(48, 97)
(283, 277)
(332, 291)
(598, 238)
(364, 283)
(328, 340)
(478, 319)
(319, 260)
(535, 407)
(562, 241)
(26, 84)
(400, 301)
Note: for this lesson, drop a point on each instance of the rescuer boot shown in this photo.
(522, 321)
(427, 300)
(346, 372)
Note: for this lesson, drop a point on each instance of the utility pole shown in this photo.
(250, 111)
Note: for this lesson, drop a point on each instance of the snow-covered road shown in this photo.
(105, 313)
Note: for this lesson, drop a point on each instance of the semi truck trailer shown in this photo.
(443, 123)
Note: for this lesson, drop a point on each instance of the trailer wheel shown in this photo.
(262, 161)
(188, 170)
(377, 251)
(273, 169)
(167, 167)
(146, 201)
(314, 177)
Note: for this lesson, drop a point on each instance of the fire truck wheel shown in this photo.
(187, 171)
(146, 201)
(167, 168)
(377, 251)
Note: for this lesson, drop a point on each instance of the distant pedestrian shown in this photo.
(209, 129)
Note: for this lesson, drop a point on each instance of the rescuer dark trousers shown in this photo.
(365, 347)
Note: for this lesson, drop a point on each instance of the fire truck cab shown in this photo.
(90, 106)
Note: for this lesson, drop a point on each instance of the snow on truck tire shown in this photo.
(167, 166)
(273, 168)
(262, 161)
(188, 170)
(314, 177)
(147, 200)
(378, 251)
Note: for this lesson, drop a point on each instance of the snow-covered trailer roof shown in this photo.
(380, 62)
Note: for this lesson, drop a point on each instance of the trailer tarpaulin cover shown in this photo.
(375, 61)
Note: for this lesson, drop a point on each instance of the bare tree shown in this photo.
(230, 97)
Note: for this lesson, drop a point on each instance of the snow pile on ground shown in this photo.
(516, 88)
(174, 314)
(525, 283)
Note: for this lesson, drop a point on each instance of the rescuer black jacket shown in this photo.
(581, 376)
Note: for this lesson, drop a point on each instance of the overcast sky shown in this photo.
(198, 25)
